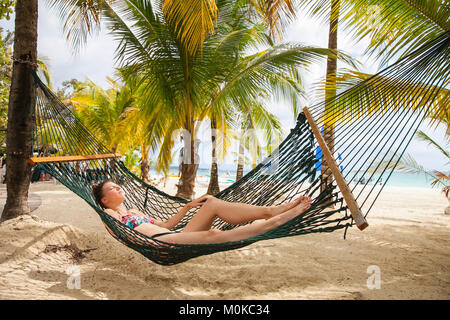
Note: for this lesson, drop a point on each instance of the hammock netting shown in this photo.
(373, 122)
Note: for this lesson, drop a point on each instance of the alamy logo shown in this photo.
(74, 280)
(374, 280)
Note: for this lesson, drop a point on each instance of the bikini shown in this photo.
(134, 221)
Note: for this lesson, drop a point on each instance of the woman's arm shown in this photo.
(175, 219)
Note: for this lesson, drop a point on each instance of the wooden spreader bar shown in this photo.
(357, 215)
(36, 160)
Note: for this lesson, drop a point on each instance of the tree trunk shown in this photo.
(213, 187)
(22, 101)
(145, 163)
(189, 168)
(240, 166)
(328, 128)
(145, 168)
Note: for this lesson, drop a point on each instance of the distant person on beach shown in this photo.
(110, 196)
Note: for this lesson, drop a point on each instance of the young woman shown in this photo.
(110, 196)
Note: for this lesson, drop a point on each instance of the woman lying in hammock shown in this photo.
(110, 196)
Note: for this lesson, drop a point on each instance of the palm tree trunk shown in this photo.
(145, 164)
(189, 164)
(213, 187)
(145, 170)
(240, 166)
(22, 101)
(189, 168)
(328, 128)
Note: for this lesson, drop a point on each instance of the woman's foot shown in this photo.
(276, 210)
(301, 207)
(304, 205)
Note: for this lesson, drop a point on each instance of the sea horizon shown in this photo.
(397, 179)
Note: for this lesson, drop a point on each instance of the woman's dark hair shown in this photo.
(97, 190)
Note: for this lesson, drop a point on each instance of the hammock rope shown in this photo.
(373, 123)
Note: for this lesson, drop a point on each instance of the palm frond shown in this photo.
(381, 93)
(394, 27)
(192, 21)
(422, 136)
(276, 13)
(81, 19)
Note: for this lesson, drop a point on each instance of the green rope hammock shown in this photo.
(373, 123)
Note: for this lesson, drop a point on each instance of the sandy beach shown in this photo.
(402, 255)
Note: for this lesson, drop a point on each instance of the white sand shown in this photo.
(407, 241)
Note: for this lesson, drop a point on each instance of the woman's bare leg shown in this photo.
(233, 213)
(240, 233)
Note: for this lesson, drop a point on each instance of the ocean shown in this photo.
(397, 179)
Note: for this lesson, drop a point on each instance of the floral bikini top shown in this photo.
(133, 221)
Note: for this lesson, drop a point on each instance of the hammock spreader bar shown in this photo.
(347, 194)
(35, 160)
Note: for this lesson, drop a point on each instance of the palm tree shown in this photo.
(254, 118)
(141, 132)
(20, 110)
(6, 42)
(182, 89)
(102, 111)
(131, 161)
(82, 19)
(194, 20)
(409, 165)
(330, 91)
(213, 186)
(221, 116)
(396, 27)
(393, 27)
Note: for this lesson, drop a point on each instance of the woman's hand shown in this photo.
(197, 202)
(173, 221)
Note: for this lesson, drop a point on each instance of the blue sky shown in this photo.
(96, 62)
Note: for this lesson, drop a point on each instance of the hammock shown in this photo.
(372, 123)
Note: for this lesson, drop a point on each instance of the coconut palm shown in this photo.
(20, 107)
(409, 165)
(114, 116)
(395, 28)
(253, 119)
(142, 132)
(131, 161)
(101, 111)
(195, 19)
(222, 117)
(82, 19)
(221, 125)
(5, 82)
(182, 89)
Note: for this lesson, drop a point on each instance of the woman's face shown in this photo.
(113, 194)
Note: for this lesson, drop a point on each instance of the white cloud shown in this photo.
(95, 59)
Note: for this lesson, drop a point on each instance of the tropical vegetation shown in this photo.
(183, 62)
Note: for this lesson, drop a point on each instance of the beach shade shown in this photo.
(319, 157)
(374, 121)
